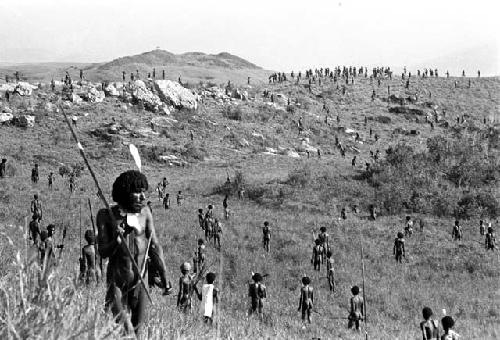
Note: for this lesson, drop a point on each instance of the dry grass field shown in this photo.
(297, 196)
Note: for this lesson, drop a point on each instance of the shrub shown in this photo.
(299, 177)
(232, 112)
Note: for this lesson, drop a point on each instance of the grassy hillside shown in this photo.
(296, 195)
(192, 67)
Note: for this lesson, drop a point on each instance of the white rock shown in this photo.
(174, 93)
(293, 154)
(24, 88)
(111, 91)
(6, 117)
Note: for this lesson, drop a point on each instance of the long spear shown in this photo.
(105, 202)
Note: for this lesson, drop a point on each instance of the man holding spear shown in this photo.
(126, 235)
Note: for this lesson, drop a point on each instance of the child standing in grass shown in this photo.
(306, 300)
(185, 289)
(429, 327)
(209, 296)
(449, 333)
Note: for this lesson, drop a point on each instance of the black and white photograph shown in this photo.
(232, 170)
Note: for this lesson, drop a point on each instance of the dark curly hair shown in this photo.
(128, 182)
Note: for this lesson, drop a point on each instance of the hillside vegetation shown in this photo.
(437, 174)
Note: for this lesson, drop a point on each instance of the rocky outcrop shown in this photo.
(141, 93)
(175, 94)
(24, 89)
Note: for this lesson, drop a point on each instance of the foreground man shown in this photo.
(125, 293)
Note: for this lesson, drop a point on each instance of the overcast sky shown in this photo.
(279, 35)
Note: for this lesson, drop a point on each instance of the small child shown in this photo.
(166, 201)
(209, 296)
(449, 333)
(201, 254)
(357, 309)
(180, 198)
(429, 327)
(88, 269)
(185, 289)
(306, 301)
(330, 271)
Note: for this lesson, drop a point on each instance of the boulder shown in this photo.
(163, 122)
(175, 94)
(95, 96)
(24, 88)
(141, 93)
(293, 154)
(111, 91)
(76, 99)
(6, 117)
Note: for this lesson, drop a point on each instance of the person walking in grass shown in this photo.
(456, 233)
(408, 226)
(180, 198)
(224, 205)
(200, 254)
(50, 179)
(490, 240)
(89, 272)
(217, 233)
(429, 327)
(34, 228)
(34, 174)
(323, 238)
(130, 224)
(257, 293)
(306, 300)
(186, 289)
(482, 228)
(266, 236)
(356, 313)
(317, 255)
(36, 208)
(3, 168)
(166, 201)
(330, 271)
(209, 297)
(201, 219)
(399, 248)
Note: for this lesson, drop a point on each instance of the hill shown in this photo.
(192, 67)
(256, 144)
